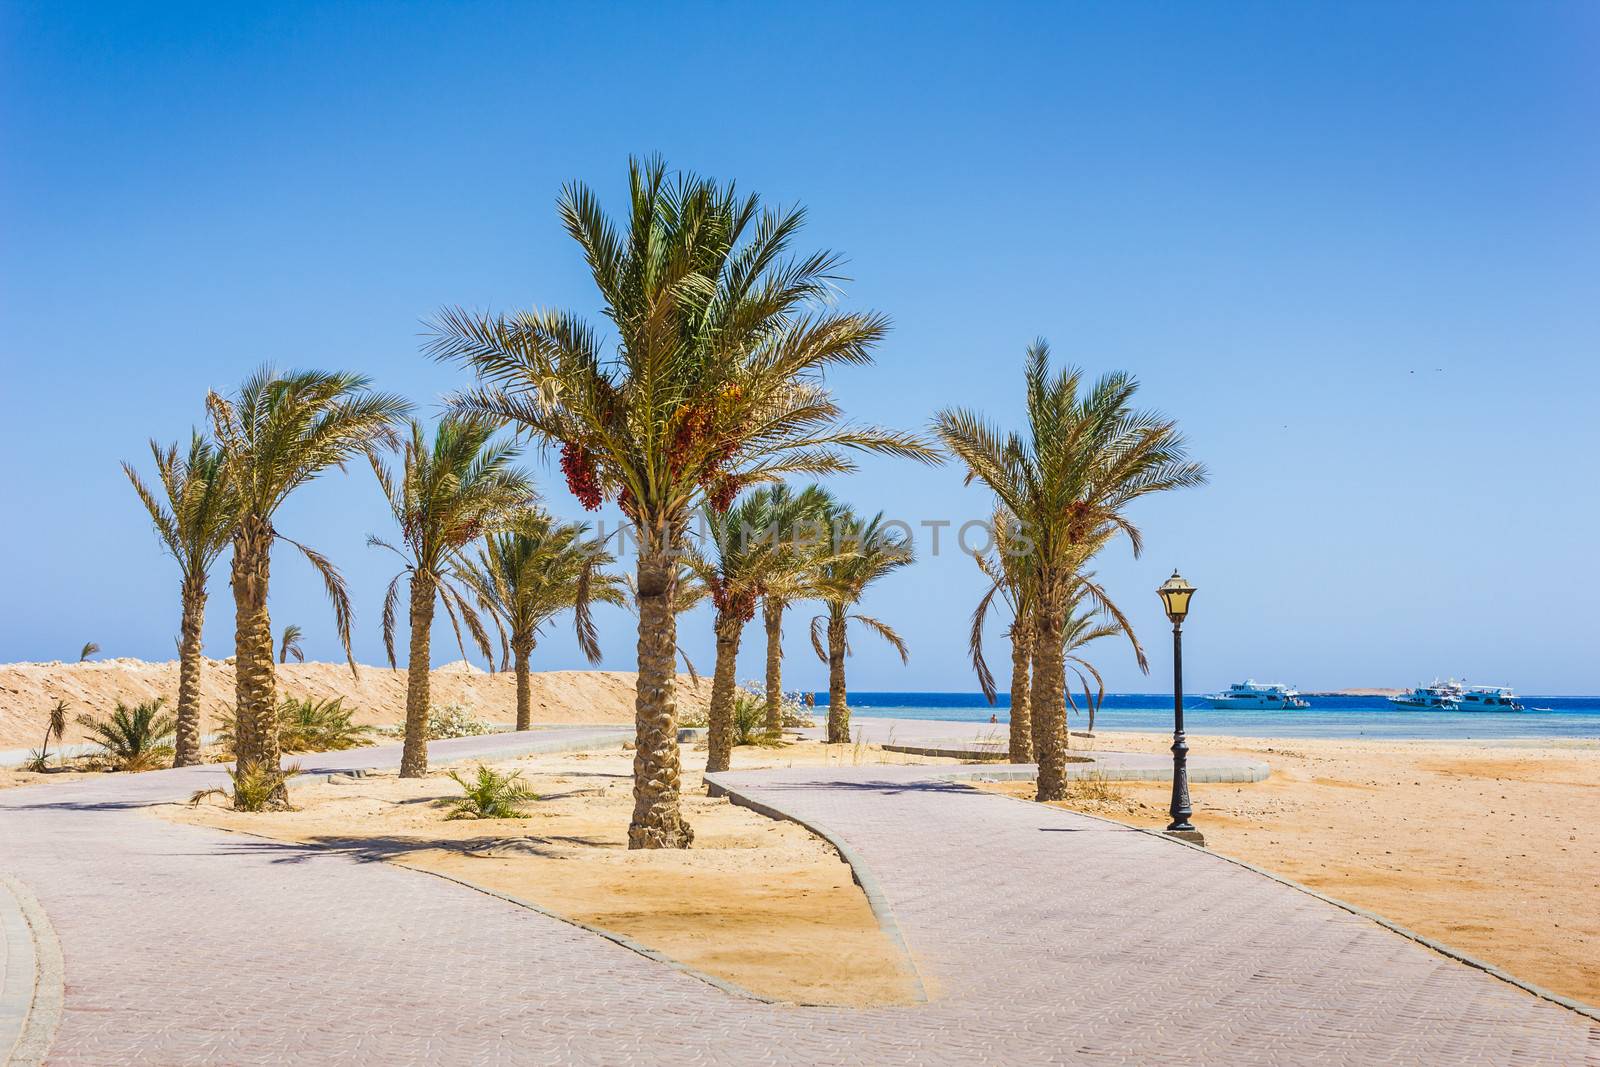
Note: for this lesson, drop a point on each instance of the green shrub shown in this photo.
(306, 724)
(259, 788)
(133, 739)
(310, 725)
(491, 795)
(750, 720)
(794, 715)
(454, 720)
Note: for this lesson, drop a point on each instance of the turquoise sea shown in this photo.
(1545, 717)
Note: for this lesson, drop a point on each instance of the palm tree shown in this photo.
(865, 553)
(450, 493)
(530, 573)
(290, 644)
(1006, 569)
(55, 726)
(714, 384)
(276, 434)
(1068, 482)
(1086, 624)
(194, 521)
(744, 555)
(799, 522)
(89, 649)
(1009, 577)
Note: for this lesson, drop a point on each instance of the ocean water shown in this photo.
(1373, 717)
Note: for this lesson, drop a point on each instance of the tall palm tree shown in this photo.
(194, 518)
(1006, 569)
(289, 645)
(749, 558)
(866, 552)
(450, 492)
(531, 572)
(276, 434)
(714, 384)
(1086, 456)
(799, 522)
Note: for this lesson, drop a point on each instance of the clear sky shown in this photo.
(1353, 247)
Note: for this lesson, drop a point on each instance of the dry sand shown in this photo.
(758, 902)
(1489, 848)
(27, 691)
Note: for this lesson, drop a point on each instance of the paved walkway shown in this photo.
(985, 741)
(1045, 937)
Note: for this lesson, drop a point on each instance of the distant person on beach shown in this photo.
(993, 718)
(811, 700)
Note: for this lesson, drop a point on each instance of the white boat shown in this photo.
(1253, 694)
(1489, 698)
(1441, 696)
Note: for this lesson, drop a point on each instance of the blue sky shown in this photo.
(1353, 248)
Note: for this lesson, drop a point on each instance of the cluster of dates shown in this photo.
(695, 429)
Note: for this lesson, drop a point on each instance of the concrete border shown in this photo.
(1440, 947)
(877, 899)
(32, 982)
(585, 743)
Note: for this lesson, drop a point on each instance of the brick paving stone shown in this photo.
(1046, 938)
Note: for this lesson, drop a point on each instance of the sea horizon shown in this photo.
(1545, 716)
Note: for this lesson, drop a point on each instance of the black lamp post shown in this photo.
(1175, 594)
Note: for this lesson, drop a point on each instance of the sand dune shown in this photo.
(27, 690)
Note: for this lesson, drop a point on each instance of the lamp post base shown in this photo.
(1194, 837)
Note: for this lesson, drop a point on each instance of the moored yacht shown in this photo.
(1489, 698)
(1441, 696)
(1253, 694)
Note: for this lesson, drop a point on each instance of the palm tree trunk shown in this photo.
(729, 629)
(838, 710)
(187, 747)
(772, 615)
(1049, 706)
(520, 651)
(255, 680)
(414, 755)
(1021, 703)
(657, 818)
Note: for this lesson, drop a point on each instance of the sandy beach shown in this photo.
(378, 694)
(1485, 847)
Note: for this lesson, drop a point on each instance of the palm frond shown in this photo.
(884, 631)
(338, 595)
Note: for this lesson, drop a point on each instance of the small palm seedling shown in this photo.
(89, 649)
(134, 739)
(55, 727)
(490, 795)
(256, 787)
